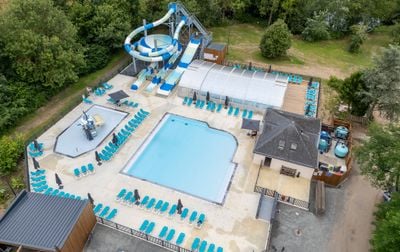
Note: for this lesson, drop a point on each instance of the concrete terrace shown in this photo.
(232, 226)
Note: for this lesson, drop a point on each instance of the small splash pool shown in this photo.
(186, 155)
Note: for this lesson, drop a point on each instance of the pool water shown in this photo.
(186, 155)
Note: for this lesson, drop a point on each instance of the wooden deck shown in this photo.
(295, 98)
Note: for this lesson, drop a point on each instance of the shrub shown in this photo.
(17, 183)
(316, 29)
(359, 35)
(276, 40)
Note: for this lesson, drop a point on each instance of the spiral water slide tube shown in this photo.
(153, 54)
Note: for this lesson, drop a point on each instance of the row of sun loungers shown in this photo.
(131, 104)
(202, 246)
(165, 233)
(104, 212)
(160, 207)
(107, 86)
(310, 107)
(86, 100)
(292, 78)
(39, 184)
(111, 149)
(38, 181)
(84, 170)
(99, 91)
(245, 113)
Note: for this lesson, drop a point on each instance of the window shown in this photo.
(281, 144)
(293, 146)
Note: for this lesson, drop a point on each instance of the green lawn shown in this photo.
(243, 40)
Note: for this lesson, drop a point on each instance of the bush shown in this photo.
(3, 195)
(17, 183)
(359, 35)
(316, 29)
(276, 40)
(387, 226)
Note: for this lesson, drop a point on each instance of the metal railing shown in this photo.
(283, 198)
(143, 236)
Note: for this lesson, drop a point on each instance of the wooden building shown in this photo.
(38, 222)
(216, 52)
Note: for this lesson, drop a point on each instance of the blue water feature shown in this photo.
(186, 155)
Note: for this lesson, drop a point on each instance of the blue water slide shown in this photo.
(159, 54)
(186, 59)
(141, 77)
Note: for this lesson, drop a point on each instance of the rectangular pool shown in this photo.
(188, 156)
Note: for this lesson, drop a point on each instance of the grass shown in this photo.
(324, 57)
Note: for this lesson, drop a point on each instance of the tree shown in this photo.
(386, 236)
(350, 92)
(316, 29)
(383, 84)
(379, 156)
(276, 40)
(359, 35)
(41, 44)
(11, 150)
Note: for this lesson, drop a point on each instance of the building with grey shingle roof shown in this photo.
(47, 223)
(288, 140)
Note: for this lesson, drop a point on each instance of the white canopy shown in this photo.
(238, 84)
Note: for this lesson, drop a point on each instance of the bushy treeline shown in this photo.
(45, 45)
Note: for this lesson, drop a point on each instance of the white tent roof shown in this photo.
(258, 87)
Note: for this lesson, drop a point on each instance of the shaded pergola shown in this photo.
(249, 124)
(119, 95)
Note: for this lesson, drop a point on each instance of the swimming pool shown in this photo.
(186, 155)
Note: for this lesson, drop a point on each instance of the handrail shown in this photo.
(283, 198)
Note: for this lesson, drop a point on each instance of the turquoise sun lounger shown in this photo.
(151, 203)
(170, 235)
(184, 213)
(193, 216)
(203, 246)
(150, 228)
(104, 212)
(180, 239)
(163, 232)
(144, 225)
(195, 243)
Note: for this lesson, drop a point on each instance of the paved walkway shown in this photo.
(345, 226)
(107, 239)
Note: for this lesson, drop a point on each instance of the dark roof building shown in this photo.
(47, 223)
(289, 137)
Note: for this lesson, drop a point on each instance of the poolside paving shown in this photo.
(295, 98)
(232, 225)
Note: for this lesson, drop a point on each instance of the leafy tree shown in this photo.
(379, 156)
(350, 92)
(386, 236)
(359, 35)
(11, 150)
(316, 29)
(41, 44)
(276, 40)
(383, 84)
(113, 23)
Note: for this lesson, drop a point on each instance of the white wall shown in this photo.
(276, 164)
(305, 172)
